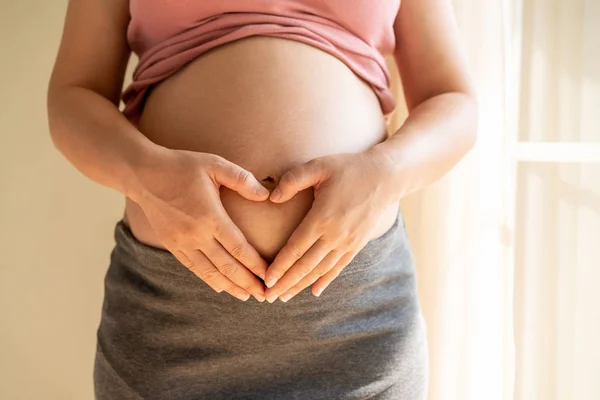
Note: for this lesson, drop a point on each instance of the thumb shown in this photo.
(239, 180)
(299, 178)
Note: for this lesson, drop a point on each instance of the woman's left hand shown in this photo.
(351, 192)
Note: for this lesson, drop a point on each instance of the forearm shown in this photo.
(435, 136)
(97, 139)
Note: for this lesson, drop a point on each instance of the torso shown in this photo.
(266, 104)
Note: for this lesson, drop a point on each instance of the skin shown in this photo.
(440, 130)
(274, 114)
(87, 127)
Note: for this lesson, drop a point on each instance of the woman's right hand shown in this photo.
(180, 197)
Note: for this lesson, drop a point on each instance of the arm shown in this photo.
(440, 130)
(85, 123)
(178, 190)
(442, 123)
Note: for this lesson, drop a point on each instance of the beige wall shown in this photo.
(55, 224)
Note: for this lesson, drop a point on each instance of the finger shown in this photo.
(201, 266)
(233, 270)
(302, 239)
(326, 279)
(234, 241)
(239, 180)
(305, 265)
(326, 265)
(297, 179)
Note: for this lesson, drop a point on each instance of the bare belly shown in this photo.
(267, 105)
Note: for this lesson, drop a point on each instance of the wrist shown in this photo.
(383, 157)
(389, 171)
(140, 165)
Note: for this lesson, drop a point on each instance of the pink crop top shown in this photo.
(167, 34)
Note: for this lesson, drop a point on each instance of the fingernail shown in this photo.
(276, 194)
(285, 297)
(262, 191)
(319, 292)
(244, 297)
(259, 297)
(271, 298)
(272, 280)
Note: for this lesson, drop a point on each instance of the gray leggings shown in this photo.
(165, 334)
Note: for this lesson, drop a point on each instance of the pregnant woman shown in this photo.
(262, 254)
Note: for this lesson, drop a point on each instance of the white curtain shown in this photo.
(500, 285)
(557, 247)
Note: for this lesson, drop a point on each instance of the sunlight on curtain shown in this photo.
(536, 65)
(459, 235)
(557, 313)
